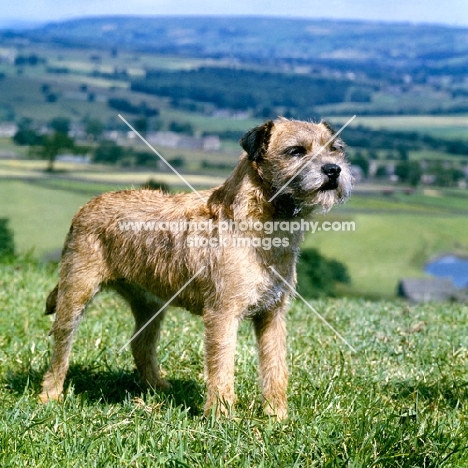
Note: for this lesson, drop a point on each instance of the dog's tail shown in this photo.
(51, 302)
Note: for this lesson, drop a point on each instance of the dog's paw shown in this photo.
(278, 412)
(45, 397)
(162, 384)
(156, 383)
(220, 406)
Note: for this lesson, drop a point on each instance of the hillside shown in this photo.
(181, 80)
(400, 401)
(374, 68)
(389, 45)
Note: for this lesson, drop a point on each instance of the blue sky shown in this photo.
(452, 12)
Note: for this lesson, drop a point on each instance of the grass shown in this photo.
(394, 237)
(401, 401)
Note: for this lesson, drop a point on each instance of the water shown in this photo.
(450, 266)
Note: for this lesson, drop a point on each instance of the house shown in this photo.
(7, 56)
(8, 130)
(74, 158)
(211, 143)
(428, 290)
(177, 140)
(165, 139)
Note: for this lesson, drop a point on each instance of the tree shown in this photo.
(94, 129)
(156, 185)
(146, 158)
(360, 160)
(381, 172)
(26, 135)
(141, 125)
(447, 177)
(181, 127)
(178, 161)
(52, 145)
(409, 172)
(108, 152)
(317, 276)
(403, 153)
(360, 95)
(60, 124)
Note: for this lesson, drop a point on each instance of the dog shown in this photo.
(288, 171)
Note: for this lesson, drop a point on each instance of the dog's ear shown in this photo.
(329, 126)
(255, 141)
(337, 144)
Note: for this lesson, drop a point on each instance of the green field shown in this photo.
(394, 235)
(400, 401)
(387, 247)
(442, 126)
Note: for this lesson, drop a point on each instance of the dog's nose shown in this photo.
(331, 170)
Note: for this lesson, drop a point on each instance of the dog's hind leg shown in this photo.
(51, 302)
(148, 313)
(75, 290)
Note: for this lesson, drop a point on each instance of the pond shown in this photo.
(450, 266)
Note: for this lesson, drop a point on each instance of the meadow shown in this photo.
(400, 401)
(442, 126)
(394, 236)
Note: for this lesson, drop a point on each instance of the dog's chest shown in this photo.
(269, 297)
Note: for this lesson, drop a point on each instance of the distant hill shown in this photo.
(377, 47)
(265, 66)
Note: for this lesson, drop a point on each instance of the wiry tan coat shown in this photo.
(148, 267)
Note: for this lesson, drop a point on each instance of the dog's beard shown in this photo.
(311, 191)
(322, 192)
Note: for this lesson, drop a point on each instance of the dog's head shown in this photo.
(301, 164)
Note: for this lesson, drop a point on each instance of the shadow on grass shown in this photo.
(110, 386)
(452, 392)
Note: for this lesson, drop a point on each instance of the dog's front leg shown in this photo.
(220, 346)
(270, 329)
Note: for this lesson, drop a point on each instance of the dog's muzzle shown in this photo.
(332, 171)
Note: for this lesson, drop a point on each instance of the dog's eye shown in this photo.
(336, 146)
(297, 151)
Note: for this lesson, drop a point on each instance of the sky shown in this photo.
(451, 12)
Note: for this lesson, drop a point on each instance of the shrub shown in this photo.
(7, 246)
(156, 185)
(318, 276)
(181, 127)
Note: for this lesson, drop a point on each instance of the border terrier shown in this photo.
(222, 283)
